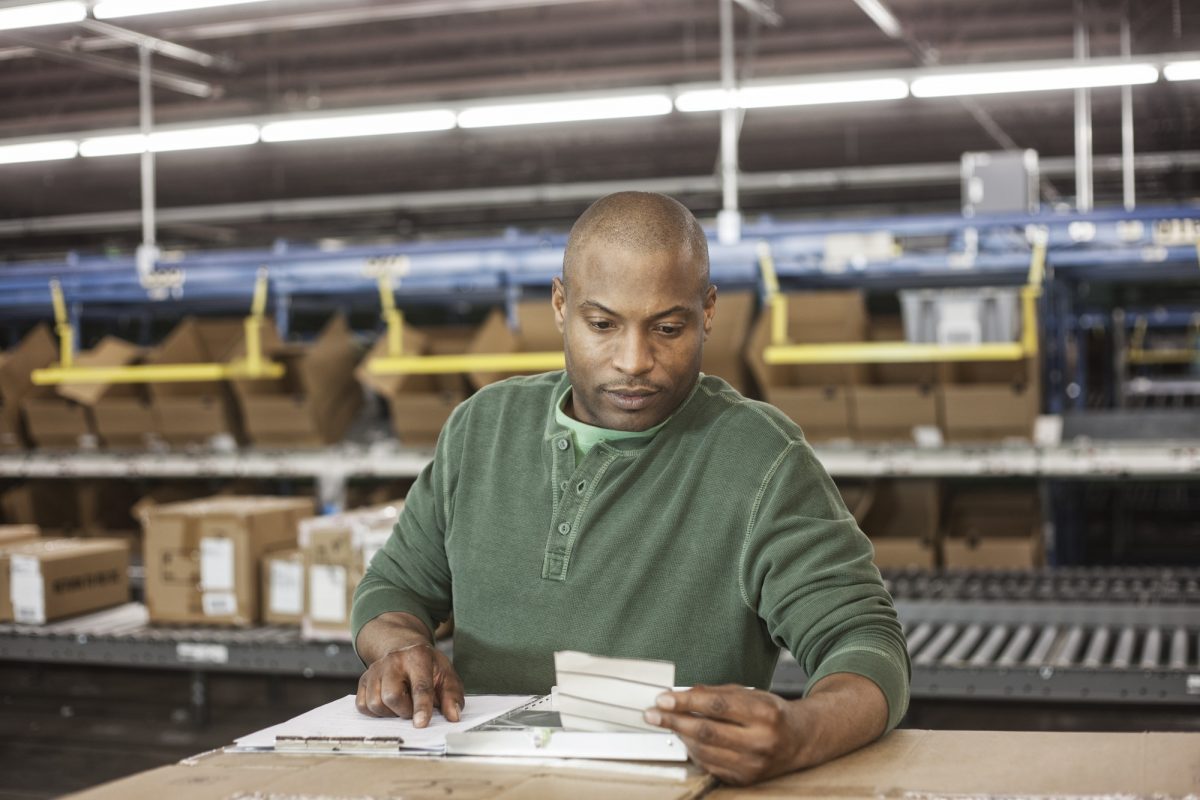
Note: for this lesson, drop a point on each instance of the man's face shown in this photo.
(633, 327)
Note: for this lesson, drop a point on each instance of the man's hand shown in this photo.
(407, 676)
(746, 735)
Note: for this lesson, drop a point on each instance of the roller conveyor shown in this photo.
(1014, 647)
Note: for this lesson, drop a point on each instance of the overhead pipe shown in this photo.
(1083, 120)
(729, 221)
(1127, 177)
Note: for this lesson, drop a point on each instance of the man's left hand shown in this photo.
(739, 735)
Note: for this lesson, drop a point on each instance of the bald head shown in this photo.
(642, 222)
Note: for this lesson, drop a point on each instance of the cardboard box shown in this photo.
(997, 764)
(817, 397)
(105, 510)
(229, 775)
(202, 556)
(317, 398)
(903, 523)
(50, 504)
(55, 578)
(894, 398)
(419, 405)
(537, 332)
(337, 549)
(11, 535)
(989, 401)
(283, 587)
(994, 528)
(36, 350)
(724, 352)
(120, 412)
(196, 411)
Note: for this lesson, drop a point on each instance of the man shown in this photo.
(633, 507)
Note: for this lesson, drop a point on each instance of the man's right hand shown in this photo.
(409, 679)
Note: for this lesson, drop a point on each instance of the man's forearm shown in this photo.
(389, 632)
(841, 713)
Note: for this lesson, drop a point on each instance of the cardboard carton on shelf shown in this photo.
(902, 522)
(724, 352)
(536, 332)
(50, 504)
(202, 557)
(990, 401)
(11, 535)
(34, 351)
(997, 527)
(120, 412)
(337, 549)
(316, 399)
(194, 412)
(817, 397)
(105, 510)
(419, 405)
(54, 578)
(893, 399)
(283, 587)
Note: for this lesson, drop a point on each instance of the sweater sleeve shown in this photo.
(411, 572)
(807, 570)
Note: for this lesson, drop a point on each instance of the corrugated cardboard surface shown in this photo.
(37, 349)
(173, 535)
(889, 413)
(78, 575)
(227, 775)
(195, 411)
(273, 615)
(316, 399)
(994, 528)
(50, 504)
(931, 765)
(110, 352)
(903, 523)
(53, 421)
(984, 401)
(11, 535)
(537, 332)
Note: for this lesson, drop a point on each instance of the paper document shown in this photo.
(596, 693)
(339, 726)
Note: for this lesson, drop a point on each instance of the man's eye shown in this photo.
(600, 324)
(670, 330)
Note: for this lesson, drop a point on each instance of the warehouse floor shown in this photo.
(66, 728)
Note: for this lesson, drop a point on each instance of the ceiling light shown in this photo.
(293, 130)
(167, 141)
(882, 17)
(1182, 71)
(795, 94)
(37, 151)
(1033, 80)
(110, 9)
(532, 113)
(42, 14)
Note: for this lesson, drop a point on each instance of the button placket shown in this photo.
(567, 524)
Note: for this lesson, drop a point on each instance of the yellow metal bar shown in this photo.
(776, 300)
(156, 373)
(1174, 355)
(391, 315)
(1029, 334)
(481, 362)
(62, 326)
(1037, 263)
(890, 352)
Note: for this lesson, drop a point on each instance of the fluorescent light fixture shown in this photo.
(533, 113)
(882, 17)
(1033, 80)
(37, 151)
(1182, 71)
(111, 9)
(42, 14)
(795, 94)
(167, 141)
(294, 130)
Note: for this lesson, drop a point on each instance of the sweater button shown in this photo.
(563, 444)
(564, 528)
(562, 486)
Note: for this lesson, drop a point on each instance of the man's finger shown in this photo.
(703, 730)
(728, 703)
(452, 697)
(728, 765)
(420, 683)
(394, 695)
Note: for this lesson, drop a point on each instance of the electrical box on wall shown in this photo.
(1000, 182)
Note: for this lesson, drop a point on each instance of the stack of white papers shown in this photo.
(594, 693)
(338, 726)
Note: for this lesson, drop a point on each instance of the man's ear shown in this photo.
(558, 299)
(710, 309)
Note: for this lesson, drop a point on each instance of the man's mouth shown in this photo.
(631, 399)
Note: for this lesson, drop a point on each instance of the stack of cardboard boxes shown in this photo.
(203, 557)
(34, 351)
(994, 528)
(894, 399)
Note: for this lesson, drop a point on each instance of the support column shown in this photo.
(1127, 177)
(729, 220)
(147, 253)
(1083, 120)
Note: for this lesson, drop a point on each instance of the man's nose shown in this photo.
(634, 355)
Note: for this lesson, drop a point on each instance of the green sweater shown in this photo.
(711, 545)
